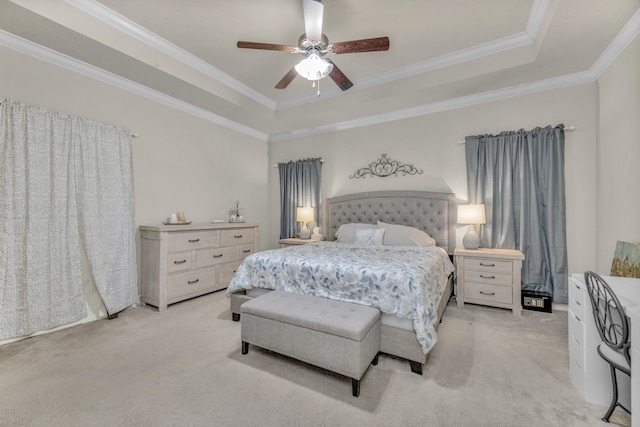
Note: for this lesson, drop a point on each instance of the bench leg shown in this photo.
(235, 317)
(245, 347)
(375, 360)
(355, 387)
(416, 367)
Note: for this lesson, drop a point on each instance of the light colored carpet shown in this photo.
(183, 367)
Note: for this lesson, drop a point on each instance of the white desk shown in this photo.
(589, 373)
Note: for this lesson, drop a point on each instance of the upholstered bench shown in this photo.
(338, 336)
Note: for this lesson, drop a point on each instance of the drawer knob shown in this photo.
(180, 262)
(487, 265)
(191, 282)
(487, 277)
(238, 236)
(217, 256)
(194, 240)
(246, 251)
(487, 293)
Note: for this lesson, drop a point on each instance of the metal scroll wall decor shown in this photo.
(384, 167)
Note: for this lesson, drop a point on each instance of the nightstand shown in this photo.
(489, 277)
(293, 241)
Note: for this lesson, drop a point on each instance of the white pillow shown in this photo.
(347, 232)
(369, 236)
(402, 235)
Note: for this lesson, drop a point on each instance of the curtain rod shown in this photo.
(133, 135)
(276, 165)
(567, 129)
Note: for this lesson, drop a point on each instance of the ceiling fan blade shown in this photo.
(339, 77)
(364, 45)
(266, 46)
(288, 78)
(313, 11)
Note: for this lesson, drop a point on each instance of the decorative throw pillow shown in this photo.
(347, 232)
(369, 236)
(402, 235)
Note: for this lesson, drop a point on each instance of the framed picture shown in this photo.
(626, 260)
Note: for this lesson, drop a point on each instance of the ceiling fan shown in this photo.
(314, 45)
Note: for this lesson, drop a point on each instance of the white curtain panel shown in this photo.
(104, 186)
(45, 211)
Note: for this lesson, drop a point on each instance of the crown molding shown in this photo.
(438, 107)
(45, 54)
(108, 16)
(620, 43)
(114, 19)
(623, 39)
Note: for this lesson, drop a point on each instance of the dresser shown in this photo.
(489, 277)
(589, 372)
(184, 261)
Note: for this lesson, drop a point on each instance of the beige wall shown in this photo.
(180, 162)
(431, 143)
(186, 163)
(618, 157)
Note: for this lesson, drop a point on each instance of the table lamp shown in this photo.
(304, 215)
(471, 214)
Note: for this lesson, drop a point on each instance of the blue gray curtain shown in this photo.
(519, 176)
(299, 187)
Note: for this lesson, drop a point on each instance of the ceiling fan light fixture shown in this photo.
(314, 68)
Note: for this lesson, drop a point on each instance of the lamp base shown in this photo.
(471, 240)
(305, 233)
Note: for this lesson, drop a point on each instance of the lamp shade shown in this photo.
(305, 214)
(471, 214)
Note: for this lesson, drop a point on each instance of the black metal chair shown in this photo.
(613, 327)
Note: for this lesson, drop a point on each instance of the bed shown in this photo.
(410, 285)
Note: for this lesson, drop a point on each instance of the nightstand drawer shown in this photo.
(488, 277)
(488, 293)
(488, 265)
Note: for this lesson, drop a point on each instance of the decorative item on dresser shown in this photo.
(184, 261)
(489, 277)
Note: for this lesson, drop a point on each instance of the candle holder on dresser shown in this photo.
(235, 215)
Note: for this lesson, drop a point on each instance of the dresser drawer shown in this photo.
(488, 277)
(576, 328)
(215, 256)
(179, 261)
(185, 240)
(244, 251)
(236, 237)
(576, 304)
(192, 282)
(488, 293)
(488, 265)
(226, 272)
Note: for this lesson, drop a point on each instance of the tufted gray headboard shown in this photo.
(433, 213)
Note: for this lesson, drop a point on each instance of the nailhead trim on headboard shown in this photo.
(434, 213)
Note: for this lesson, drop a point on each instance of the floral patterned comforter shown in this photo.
(406, 281)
